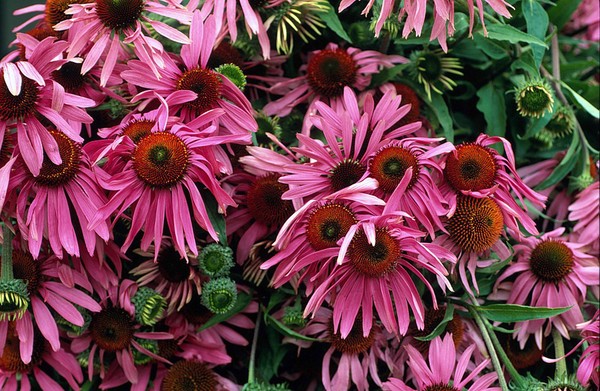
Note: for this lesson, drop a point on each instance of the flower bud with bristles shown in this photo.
(233, 73)
(534, 98)
(265, 387)
(266, 125)
(582, 181)
(14, 299)
(433, 69)
(140, 358)
(293, 316)
(216, 260)
(149, 306)
(562, 123)
(529, 383)
(219, 295)
(566, 383)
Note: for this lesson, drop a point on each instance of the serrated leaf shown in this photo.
(242, 302)
(510, 313)
(537, 25)
(565, 166)
(441, 326)
(331, 19)
(505, 32)
(561, 13)
(491, 104)
(283, 329)
(587, 106)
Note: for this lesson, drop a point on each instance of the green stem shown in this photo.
(252, 364)
(515, 376)
(7, 264)
(490, 347)
(559, 351)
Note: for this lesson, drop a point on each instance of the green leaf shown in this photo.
(489, 47)
(331, 19)
(242, 302)
(566, 164)
(440, 327)
(537, 25)
(386, 74)
(216, 219)
(505, 32)
(270, 355)
(440, 109)
(537, 124)
(509, 313)
(527, 63)
(587, 106)
(283, 329)
(561, 13)
(491, 104)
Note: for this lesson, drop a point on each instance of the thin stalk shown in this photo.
(559, 352)
(515, 376)
(252, 364)
(490, 347)
(7, 264)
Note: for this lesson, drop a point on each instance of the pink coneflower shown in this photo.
(174, 277)
(587, 18)
(17, 375)
(475, 229)
(226, 13)
(114, 331)
(26, 91)
(325, 75)
(585, 213)
(589, 363)
(52, 285)
(477, 170)
(46, 202)
(443, 15)
(261, 211)
(103, 22)
(183, 345)
(308, 241)
(189, 74)
(158, 182)
(355, 358)
(445, 371)
(550, 272)
(373, 265)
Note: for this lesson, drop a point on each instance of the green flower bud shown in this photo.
(582, 181)
(266, 125)
(140, 358)
(233, 73)
(562, 123)
(567, 383)
(14, 299)
(219, 295)
(215, 260)
(149, 306)
(265, 387)
(529, 384)
(534, 98)
(293, 316)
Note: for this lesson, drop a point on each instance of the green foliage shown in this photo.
(510, 313)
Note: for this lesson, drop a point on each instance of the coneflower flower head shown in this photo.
(534, 98)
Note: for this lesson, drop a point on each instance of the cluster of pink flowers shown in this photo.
(132, 181)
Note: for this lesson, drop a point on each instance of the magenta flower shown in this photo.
(444, 371)
(549, 272)
(52, 285)
(173, 277)
(15, 374)
(586, 17)
(324, 77)
(192, 87)
(27, 91)
(589, 363)
(113, 330)
(308, 242)
(158, 182)
(226, 13)
(585, 213)
(443, 16)
(479, 171)
(46, 203)
(104, 21)
(373, 265)
(355, 358)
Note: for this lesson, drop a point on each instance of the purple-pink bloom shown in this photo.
(589, 363)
